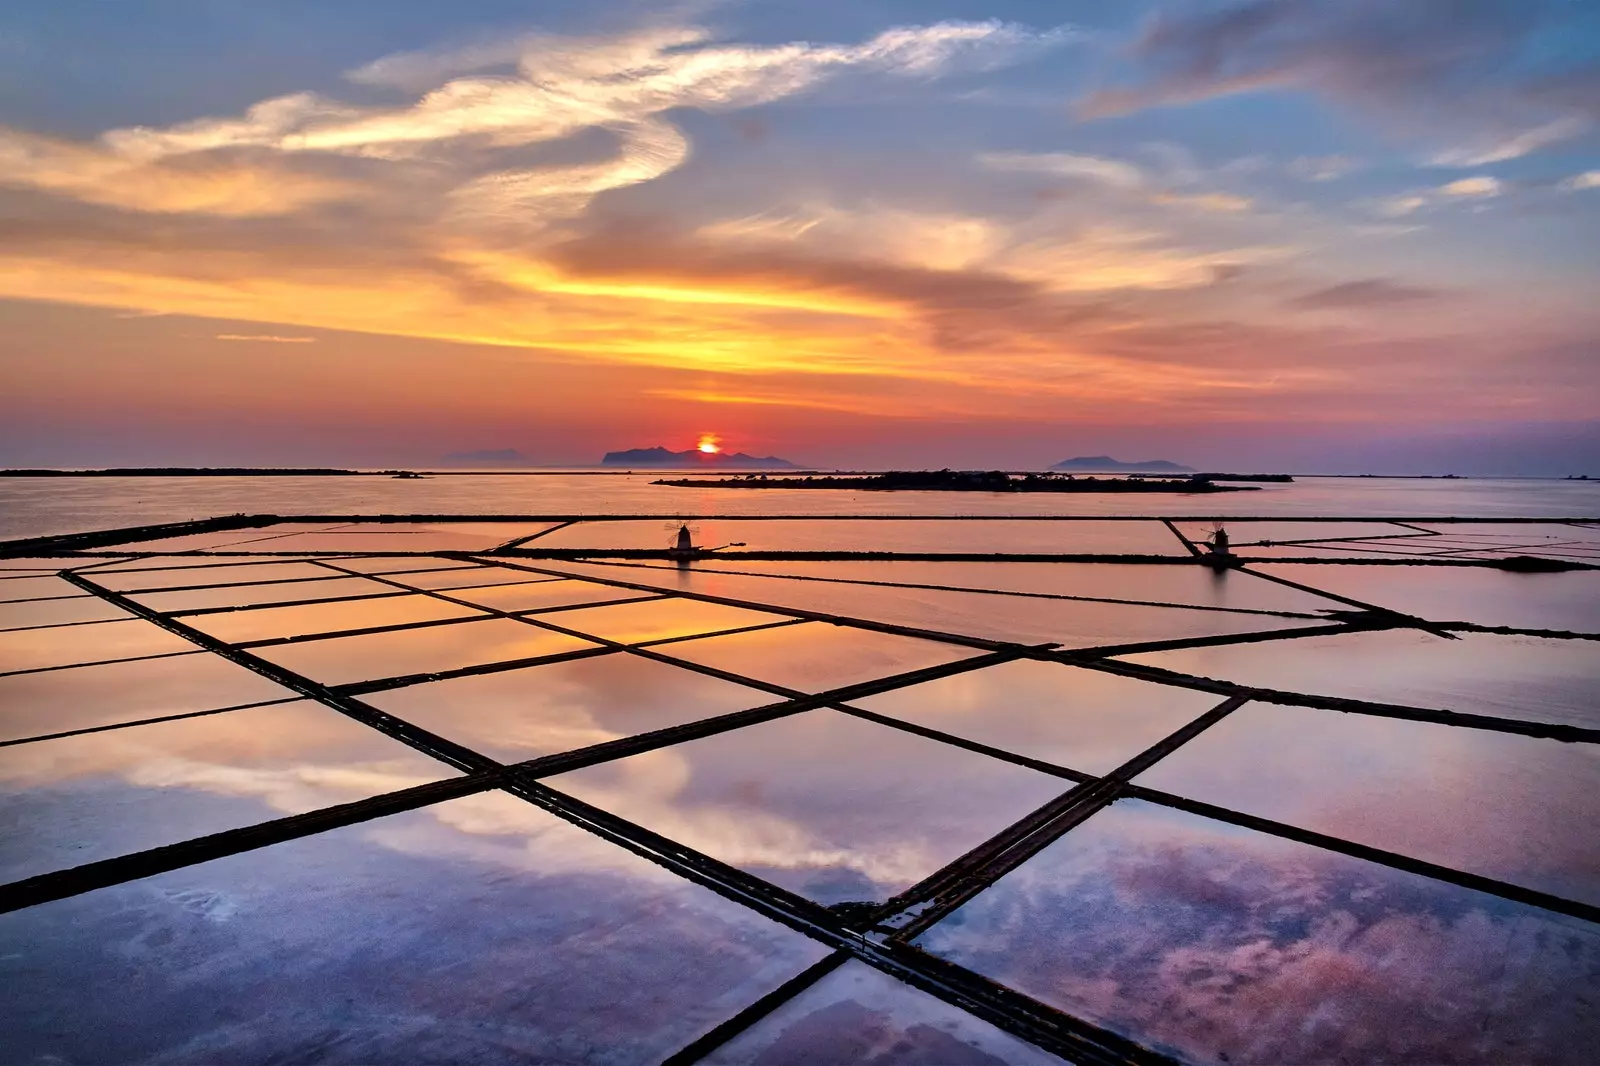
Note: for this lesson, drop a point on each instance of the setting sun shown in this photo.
(709, 443)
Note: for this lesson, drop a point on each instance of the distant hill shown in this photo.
(1106, 464)
(488, 455)
(659, 456)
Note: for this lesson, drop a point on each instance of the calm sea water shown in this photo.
(44, 506)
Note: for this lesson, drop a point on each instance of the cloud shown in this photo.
(419, 70)
(1516, 146)
(1225, 203)
(264, 338)
(1117, 175)
(1433, 68)
(474, 219)
(1105, 257)
(567, 84)
(648, 149)
(1477, 188)
(461, 129)
(1112, 172)
(1589, 179)
(873, 407)
(1368, 292)
(1357, 48)
(1400, 206)
(229, 187)
(1577, 89)
(941, 240)
(1322, 168)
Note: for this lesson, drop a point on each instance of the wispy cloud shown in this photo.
(464, 129)
(865, 405)
(1477, 188)
(516, 194)
(1365, 293)
(1400, 206)
(1323, 167)
(227, 186)
(1225, 203)
(1516, 146)
(564, 85)
(1113, 172)
(1119, 175)
(1437, 68)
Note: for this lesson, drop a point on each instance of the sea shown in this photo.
(47, 506)
(1380, 846)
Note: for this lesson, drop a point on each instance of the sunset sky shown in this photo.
(1303, 234)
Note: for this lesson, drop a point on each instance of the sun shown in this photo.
(710, 444)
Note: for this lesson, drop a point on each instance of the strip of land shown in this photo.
(193, 471)
(959, 481)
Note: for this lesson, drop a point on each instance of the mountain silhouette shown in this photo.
(1106, 463)
(659, 456)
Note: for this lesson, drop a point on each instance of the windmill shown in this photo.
(1217, 542)
(681, 534)
(682, 540)
(1217, 553)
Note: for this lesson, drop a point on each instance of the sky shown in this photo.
(1317, 235)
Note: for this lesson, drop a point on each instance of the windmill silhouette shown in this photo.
(1217, 542)
(1218, 552)
(682, 540)
(681, 535)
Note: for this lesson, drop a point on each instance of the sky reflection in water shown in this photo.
(1221, 944)
(857, 1015)
(479, 930)
(821, 803)
(541, 710)
(1527, 678)
(1080, 719)
(78, 799)
(484, 928)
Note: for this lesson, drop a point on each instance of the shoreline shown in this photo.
(993, 481)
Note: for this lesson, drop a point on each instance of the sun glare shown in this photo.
(709, 443)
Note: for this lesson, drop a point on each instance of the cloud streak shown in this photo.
(223, 185)
(461, 144)
(1112, 172)
(590, 208)
(1366, 293)
(563, 86)
(1438, 67)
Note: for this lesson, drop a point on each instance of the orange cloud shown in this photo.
(502, 212)
(225, 188)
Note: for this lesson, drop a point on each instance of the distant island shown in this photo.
(1280, 478)
(1105, 464)
(957, 481)
(659, 456)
